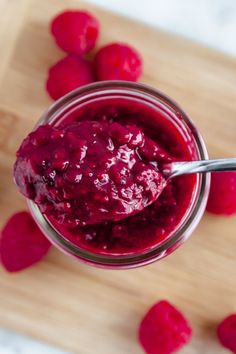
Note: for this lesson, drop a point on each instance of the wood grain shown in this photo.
(86, 310)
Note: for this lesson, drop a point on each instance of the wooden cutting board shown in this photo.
(87, 310)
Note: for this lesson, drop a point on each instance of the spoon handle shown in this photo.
(203, 166)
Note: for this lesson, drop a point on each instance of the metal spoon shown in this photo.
(175, 169)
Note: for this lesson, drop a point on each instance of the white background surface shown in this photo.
(212, 22)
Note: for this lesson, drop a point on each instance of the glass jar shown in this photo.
(69, 106)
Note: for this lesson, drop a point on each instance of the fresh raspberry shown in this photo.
(22, 244)
(164, 330)
(222, 198)
(118, 61)
(75, 32)
(226, 332)
(68, 74)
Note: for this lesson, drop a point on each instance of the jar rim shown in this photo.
(184, 229)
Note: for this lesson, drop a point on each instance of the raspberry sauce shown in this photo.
(71, 200)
